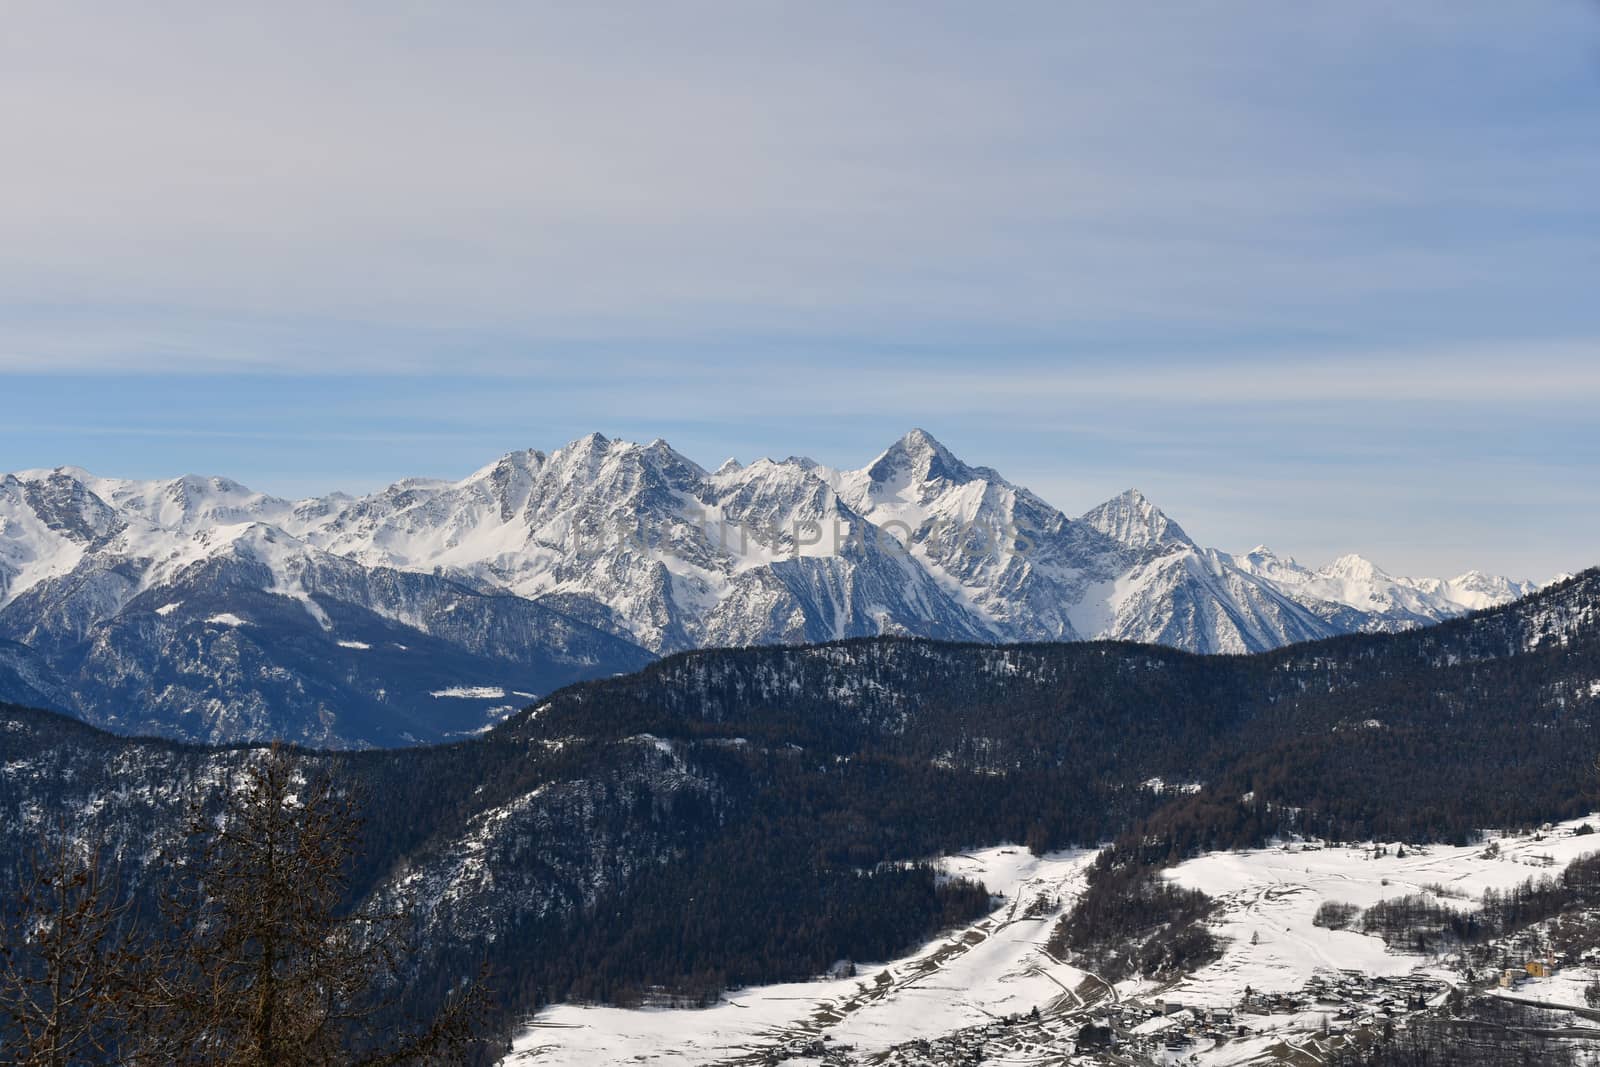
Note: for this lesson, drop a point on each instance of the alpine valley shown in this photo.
(1363, 834)
(198, 609)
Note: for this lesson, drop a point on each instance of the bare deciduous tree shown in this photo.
(69, 960)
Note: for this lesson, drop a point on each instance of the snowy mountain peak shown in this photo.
(1478, 580)
(1354, 568)
(523, 459)
(1131, 519)
(1476, 590)
(729, 466)
(669, 460)
(589, 449)
(39, 474)
(62, 501)
(918, 457)
(1264, 557)
(1262, 562)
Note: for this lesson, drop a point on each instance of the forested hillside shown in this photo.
(738, 816)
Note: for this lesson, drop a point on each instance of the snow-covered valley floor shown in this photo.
(1269, 897)
(995, 967)
(957, 990)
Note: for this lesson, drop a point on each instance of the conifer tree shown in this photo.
(274, 971)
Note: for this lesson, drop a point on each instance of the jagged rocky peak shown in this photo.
(672, 463)
(509, 479)
(594, 458)
(919, 458)
(586, 453)
(67, 506)
(1133, 520)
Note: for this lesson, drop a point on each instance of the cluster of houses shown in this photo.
(1364, 998)
(1348, 1000)
(1170, 1025)
(1152, 1031)
(1512, 977)
(811, 1050)
(1018, 1034)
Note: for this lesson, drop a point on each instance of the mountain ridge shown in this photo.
(615, 552)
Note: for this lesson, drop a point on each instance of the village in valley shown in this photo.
(1336, 1011)
(1325, 949)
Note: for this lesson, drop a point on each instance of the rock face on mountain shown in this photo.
(200, 609)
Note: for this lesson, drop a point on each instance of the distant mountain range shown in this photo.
(197, 608)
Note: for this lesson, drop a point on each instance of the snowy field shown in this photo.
(994, 967)
(997, 967)
(1269, 897)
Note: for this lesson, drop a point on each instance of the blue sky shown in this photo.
(1322, 277)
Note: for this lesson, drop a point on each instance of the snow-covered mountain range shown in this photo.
(199, 608)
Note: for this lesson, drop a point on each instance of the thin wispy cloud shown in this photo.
(1093, 245)
(612, 171)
